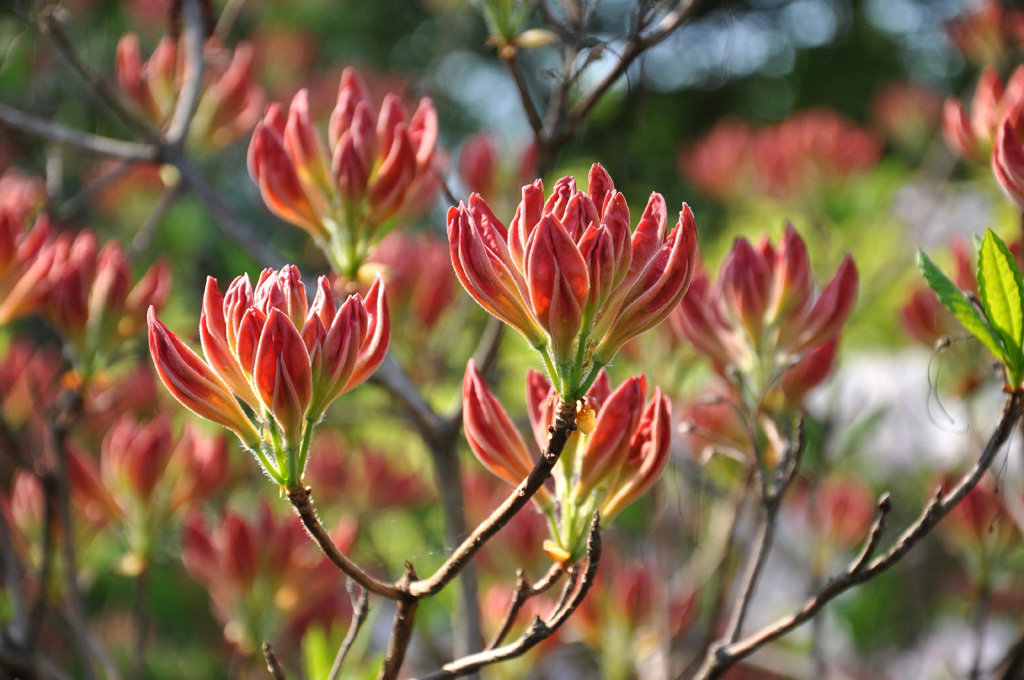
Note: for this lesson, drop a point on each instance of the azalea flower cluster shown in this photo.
(606, 464)
(230, 101)
(345, 193)
(569, 275)
(798, 157)
(768, 335)
(274, 362)
(993, 130)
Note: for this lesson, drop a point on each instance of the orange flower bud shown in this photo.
(366, 174)
(193, 383)
(567, 275)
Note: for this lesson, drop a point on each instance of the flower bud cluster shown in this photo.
(569, 275)
(230, 101)
(344, 192)
(605, 468)
(274, 362)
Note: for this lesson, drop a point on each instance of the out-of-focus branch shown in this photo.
(392, 377)
(540, 629)
(564, 424)
(104, 146)
(51, 26)
(192, 80)
(508, 55)
(360, 609)
(229, 223)
(76, 203)
(864, 568)
(156, 216)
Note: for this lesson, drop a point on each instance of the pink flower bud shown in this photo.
(826, 318)
(478, 164)
(956, 128)
(136, 454)
(193, 383)
(279, 182)
(558, 282)
(648, 454)
(607, 447)
(1008, 163)
(490, 432)
(282, 374)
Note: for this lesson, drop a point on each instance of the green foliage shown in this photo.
(1000, 291)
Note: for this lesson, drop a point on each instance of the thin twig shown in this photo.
(144, 237)
(758, 558)
(360, 609)
(79, 201)
(720, 658)
(509, 56)
(229, 223)
(227, 19)
(540, 629)
(52, 27)
(558, 435)
(104, 146)
(12, 579)
(302, 499)
(273, 665)
(523, 592)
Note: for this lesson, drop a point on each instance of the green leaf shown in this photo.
(955, 301)
(1000, 288)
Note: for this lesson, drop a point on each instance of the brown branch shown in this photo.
(301, 498)
(720, 658)
(523, 592)
(510, 57)
(360, 609)
(273, 665)
(401, 628)
(758, 558)
(635, 47)
(539, 630)
(97, 144)
(565, 423)
(12, 571)
(392, 377)
(63, 414)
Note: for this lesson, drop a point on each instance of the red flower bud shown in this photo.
(1008, 163)
(491, 434)
(193, 383)
(648, 454)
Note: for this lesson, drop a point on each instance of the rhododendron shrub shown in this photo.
(519, 419)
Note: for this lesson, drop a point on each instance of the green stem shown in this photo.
(549, 365)
(271, 470)
(595, 368)
(307, 438)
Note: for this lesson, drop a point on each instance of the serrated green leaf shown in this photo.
(955, 301)
(999, 287)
